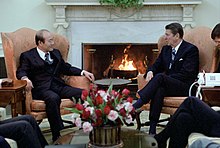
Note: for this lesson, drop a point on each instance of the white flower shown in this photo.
(87, 127)
(119, 106)
(90, 109)
(103, 94)
(85, 104)
(128, 106)
(78, 122)
(129, 119)
(113, 115)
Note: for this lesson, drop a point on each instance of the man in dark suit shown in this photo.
(42, 67)
(193, 115)
(175, 69)
(24, 130)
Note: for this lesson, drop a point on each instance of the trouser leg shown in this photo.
(36, 128)
(156, 105)
(22, 132)
(206, 120)
(53, 101)
(69, 92)
(181, 130)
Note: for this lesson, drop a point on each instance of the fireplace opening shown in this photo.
(118, 60)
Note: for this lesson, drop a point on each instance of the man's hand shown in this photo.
(149, 76)
(29, 85)
(89, 75)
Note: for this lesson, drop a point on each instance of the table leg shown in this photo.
(13, 106)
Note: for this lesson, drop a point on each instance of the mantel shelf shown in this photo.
(96, 3)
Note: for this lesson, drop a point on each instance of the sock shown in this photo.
(139, 103)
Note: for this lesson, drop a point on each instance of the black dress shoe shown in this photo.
(131, 124)
(160, 143)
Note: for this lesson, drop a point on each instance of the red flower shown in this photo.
(114, 93)
(84, 95)
(107, 110)
(98, 113)
(79, 106)
(98, 100)
(98, 122)
(125, 92)
(130, 99)
(123, 112)
(85, 114)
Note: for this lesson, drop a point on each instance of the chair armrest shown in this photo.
(77, 81)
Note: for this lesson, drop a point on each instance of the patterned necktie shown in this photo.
(173, 56)
(47, 59)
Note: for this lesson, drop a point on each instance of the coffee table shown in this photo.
(131, 138)
(117, 83)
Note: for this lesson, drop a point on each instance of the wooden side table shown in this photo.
(211, 95)
(15, 96)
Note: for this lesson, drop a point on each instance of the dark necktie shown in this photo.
(173, 57)
(47, 59)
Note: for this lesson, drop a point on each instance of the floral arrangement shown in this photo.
(102, 108)
(123, 3)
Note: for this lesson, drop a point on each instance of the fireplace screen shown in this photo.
(118, 60)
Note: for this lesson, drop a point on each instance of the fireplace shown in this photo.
(106, 60)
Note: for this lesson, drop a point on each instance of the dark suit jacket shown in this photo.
(186, 63)
(34, 67)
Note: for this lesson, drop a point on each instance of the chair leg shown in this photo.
(147, 123)
(70, 124)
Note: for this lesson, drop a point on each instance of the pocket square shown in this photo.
(181, 59)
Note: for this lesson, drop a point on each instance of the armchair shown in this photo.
(199, 36)
(14, 44)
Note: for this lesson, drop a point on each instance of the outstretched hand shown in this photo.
(89, 75)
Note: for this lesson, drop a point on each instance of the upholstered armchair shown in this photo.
(199, 36)
(14, 44)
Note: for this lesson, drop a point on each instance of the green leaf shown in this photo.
(74, 110)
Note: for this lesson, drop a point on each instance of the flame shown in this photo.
(126, 64)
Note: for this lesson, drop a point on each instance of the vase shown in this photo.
(106, 136)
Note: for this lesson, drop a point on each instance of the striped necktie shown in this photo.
(173, 57)
(47, 59)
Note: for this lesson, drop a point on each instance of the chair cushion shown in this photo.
(170, 104)
(173, 101)
(40, 106)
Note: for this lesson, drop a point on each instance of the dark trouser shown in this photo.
(52, 100)
(24, 130)
(193, 115)
(158, 87)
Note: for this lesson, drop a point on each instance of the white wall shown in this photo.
(208, 13)
(35, 14)
(15, 14)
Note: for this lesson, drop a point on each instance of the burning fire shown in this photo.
(125, 63)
